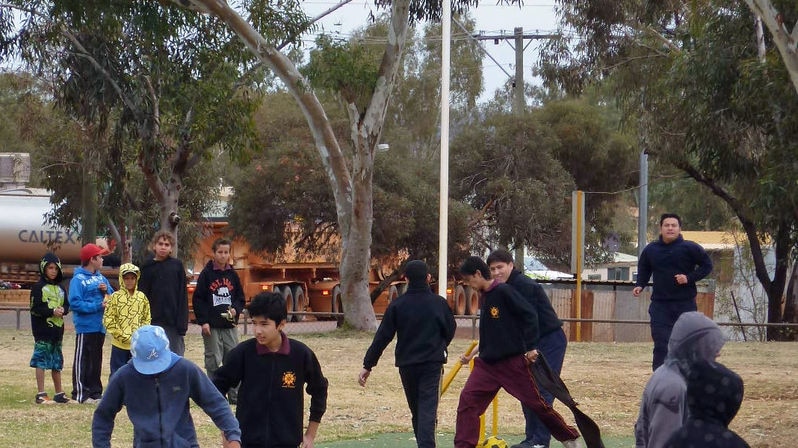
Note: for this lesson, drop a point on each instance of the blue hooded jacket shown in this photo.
(158, 406)
(86, 300)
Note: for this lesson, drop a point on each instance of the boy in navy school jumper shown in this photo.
(271, 371)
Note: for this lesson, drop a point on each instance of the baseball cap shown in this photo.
(149, 348)
(90, 251)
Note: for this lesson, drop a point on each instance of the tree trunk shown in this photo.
(791, 302)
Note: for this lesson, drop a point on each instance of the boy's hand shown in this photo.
(230, 443)
(206, 330)
(364, 375)
(103, 287)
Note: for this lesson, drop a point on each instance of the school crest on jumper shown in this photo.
(289, 380)
(494, 312)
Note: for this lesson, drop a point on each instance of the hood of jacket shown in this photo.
(694, 337)
(128, 268)
(714, 392)
(48, 258)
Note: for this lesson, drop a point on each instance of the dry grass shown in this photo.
(607, 379)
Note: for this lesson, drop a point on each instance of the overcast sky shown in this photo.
(491, 19)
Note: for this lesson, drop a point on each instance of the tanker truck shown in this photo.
(25, 237)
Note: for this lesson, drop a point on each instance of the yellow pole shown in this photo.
(495, 431)
(456, 368)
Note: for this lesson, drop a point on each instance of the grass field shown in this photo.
(607, 379)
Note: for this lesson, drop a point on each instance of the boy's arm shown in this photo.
(207, 396)
(200, 299)
(308, 440)
(78, 299)
(316, 387)
(146, 314)
(102, 425)
(382, 338)
(239, 300)
(529, 317)
(111, 319)
(182, 305)
(38, 307)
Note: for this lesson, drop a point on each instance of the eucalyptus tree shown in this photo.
(150, 84)
(365, 98)
(706, 98)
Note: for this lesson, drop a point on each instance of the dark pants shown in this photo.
(119, 357)
(552, 346)
(176, 342)
(422, 384)
(664, 314)
(87, 367)
(482, 385)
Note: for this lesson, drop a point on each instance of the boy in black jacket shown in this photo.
(163, 281)
(424, 326)
(48, 306)
(218, 301)
(272, 371)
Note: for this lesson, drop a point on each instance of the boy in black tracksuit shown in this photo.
(424, 326)
(272, 371)
(163, 281)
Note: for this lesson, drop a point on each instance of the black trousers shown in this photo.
(664, 314)
(422, 384)
(87, 367)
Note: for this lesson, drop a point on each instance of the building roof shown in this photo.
(714, 240)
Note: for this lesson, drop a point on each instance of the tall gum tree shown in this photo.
(350, 179)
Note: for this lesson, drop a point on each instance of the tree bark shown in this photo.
(786, 40)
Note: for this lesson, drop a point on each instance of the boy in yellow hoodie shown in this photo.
(126, 311)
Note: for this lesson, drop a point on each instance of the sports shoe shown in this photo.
(42, 398)
(92, 401)
(526, 444)
(573, 443)
(61, 398)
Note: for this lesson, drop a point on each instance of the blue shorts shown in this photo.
(47, 356)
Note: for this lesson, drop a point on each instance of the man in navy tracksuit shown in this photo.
(677, 264)
(424, 326)
(552, 342)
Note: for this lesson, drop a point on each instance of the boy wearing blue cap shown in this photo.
(155, 387)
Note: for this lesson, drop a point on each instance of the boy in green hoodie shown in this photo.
(126, 311)
(48, 306)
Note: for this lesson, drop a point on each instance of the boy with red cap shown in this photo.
(88, 290)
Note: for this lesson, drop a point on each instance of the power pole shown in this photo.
(519, 101)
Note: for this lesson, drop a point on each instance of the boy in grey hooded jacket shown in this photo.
(663, 407)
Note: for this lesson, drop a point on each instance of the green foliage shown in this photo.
(348, 68)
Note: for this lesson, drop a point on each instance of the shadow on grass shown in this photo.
(406, 440)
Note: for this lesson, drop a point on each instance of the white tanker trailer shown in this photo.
(25, 237)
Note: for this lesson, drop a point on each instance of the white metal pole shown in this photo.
(443, 209)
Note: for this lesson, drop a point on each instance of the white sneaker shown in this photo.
(573, 443)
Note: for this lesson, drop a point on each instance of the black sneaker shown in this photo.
(42, 398)
(61, 398)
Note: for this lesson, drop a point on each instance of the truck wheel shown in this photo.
(300, 303)
(458, 302)
(289, 302)
(471, 301)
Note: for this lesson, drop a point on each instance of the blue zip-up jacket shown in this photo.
(158, 406)
(664, 261)
(86, 300)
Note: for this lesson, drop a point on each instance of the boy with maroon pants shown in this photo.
(508, 334)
